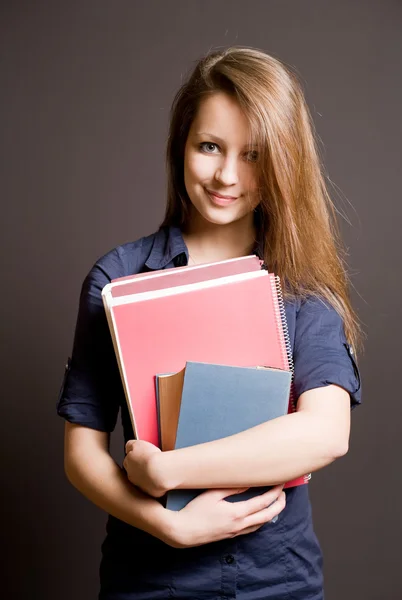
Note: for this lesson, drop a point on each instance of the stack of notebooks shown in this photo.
(203, 353)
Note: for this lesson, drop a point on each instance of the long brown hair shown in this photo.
(295, 220)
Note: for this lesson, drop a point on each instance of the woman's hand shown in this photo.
(209, 518)
(139, 464)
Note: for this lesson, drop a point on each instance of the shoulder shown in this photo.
(126, 259)
(322, 355)
(311, 315)
(316, 316)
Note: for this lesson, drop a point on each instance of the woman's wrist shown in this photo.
(168, 528)
(160, 524)
(162, 472)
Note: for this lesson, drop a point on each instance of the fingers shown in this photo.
(244, 508)
(223, 519)
(265, 515)
(129, 446)
(125, 464)
(249, 530)
(258, 503)
(221, 493)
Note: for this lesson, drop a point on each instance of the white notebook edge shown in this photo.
(106, 298)
(167, 272)
(180, 289)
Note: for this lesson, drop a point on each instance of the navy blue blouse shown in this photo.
(281, 560)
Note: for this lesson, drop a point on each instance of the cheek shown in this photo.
(250, 179)
(198, 168)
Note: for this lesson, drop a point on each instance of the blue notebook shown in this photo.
(218, 401)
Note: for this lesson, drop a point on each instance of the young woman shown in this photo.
(243, 177)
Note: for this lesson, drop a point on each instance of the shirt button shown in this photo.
(229, 559)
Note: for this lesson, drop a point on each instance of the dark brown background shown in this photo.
(85, 93)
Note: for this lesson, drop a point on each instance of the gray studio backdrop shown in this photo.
(85, 91)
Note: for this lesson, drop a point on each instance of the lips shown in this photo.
(221, 196)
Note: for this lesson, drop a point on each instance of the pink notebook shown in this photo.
(235, 320)
(156, 280)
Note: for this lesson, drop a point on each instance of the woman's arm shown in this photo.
(274, 452)
(208, 518)
(91, 469)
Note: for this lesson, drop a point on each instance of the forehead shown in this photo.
(219, 114)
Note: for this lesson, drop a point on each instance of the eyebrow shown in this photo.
(220, 140)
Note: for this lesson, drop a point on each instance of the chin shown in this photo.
(220, 217)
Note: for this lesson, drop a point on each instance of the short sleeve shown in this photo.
(91, 390)
(322, 355)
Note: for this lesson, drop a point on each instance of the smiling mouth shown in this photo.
(221, 197)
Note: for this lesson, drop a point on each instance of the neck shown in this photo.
(208, 242)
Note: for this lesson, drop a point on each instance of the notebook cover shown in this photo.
(218, 401)
(164, 278)
(202, 324)
(169, 391)
(156, 280)
(158, 332)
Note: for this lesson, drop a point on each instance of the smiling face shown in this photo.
(217, 159)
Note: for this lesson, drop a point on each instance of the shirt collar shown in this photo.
(167, 245)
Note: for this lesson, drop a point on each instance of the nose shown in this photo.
(227, 171)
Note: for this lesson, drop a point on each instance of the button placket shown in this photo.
(229, 572)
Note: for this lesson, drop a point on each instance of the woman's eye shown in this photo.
(252, 156)
(208, 148)
(205, 146)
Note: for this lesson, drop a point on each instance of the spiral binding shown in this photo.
(287, 351)
(282, 314)
(288, 347)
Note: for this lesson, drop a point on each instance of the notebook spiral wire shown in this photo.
(284, 323)
(287, 345)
